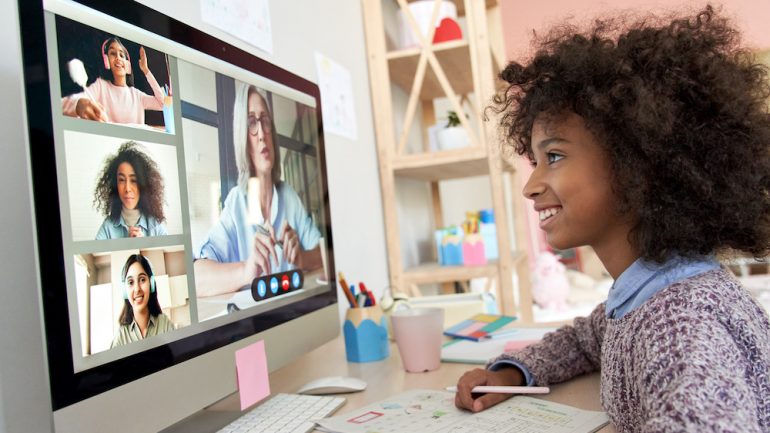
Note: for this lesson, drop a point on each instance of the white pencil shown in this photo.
(506, 389)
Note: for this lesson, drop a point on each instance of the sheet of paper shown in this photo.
(337, 108)
(426, 411)
(251, 368)
(248, 20)
(479, 352)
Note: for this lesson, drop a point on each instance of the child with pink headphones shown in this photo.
(115, 99)
(142, 316)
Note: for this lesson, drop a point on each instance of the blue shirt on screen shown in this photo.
(232, 237)
(119, 229)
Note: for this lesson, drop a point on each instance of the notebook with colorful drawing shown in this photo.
(478, 327)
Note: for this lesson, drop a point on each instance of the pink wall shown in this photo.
(521, 17)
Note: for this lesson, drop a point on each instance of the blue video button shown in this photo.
(274, 285)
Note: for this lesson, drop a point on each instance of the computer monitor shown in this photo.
(181, 208)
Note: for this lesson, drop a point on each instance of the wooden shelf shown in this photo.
(454, 57)
(448, 164)
(430, 273)
(444, 165)
(466, 68)
(461, 5)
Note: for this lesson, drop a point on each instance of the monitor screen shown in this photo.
(179, 188)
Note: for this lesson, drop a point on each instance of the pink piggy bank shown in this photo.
(551, 287)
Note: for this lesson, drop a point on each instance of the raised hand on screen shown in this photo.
(143, 61)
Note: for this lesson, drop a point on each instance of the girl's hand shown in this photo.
(135, 232)
(464, 399)
(91, 110)
(292, 250)
(143, 61)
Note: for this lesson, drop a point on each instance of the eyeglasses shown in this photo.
(264, 121)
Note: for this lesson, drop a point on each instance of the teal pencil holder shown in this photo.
(366, 335)
(168, 115)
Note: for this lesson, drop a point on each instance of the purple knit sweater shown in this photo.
(694, 358)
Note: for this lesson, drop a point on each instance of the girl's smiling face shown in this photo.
(138, 287)
(118, 59)
(571, 186)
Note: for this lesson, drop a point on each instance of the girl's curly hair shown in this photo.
(106, 198)
(681, 110)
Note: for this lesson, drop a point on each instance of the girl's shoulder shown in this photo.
(713, 296)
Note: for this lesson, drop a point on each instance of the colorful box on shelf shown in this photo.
(473, 250)
(452, 250)
(449, 246)
(488, 231)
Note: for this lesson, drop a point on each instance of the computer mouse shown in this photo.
(333, 385)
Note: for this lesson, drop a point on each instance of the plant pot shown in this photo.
(452, 138)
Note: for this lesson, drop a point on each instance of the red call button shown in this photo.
(285, 282)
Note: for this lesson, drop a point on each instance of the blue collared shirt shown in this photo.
(638, 283)
(119, 229)
(232, 237)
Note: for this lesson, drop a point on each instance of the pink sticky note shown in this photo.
(251, 369)
(518, 344)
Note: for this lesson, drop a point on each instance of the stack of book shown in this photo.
(482, 337)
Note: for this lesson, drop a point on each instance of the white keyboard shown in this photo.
(285, 413)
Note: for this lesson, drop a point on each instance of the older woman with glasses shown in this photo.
(278, 234)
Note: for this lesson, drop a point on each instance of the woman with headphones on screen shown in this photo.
(130, 195)
(141, 316)
(115, 99)
(281, 236)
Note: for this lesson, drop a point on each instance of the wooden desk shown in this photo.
(387, 377)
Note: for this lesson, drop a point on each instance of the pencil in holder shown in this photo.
(366, 334)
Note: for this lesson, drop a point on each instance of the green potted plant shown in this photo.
(453, 135)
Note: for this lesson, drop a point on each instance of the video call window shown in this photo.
(125, 296)
(107, 78)
(189, 194)
(132, 187)
(255, 207)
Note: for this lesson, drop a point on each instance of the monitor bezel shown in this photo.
(67, 386)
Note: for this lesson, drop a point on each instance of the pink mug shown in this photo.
(418, 336)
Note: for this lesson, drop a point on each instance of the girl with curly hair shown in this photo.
(129, 194)
(649, 142)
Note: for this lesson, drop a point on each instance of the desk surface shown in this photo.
(387, 377)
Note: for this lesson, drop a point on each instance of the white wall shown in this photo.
(332, 27)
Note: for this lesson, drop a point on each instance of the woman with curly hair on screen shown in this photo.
(129, 194)
(650, 142)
